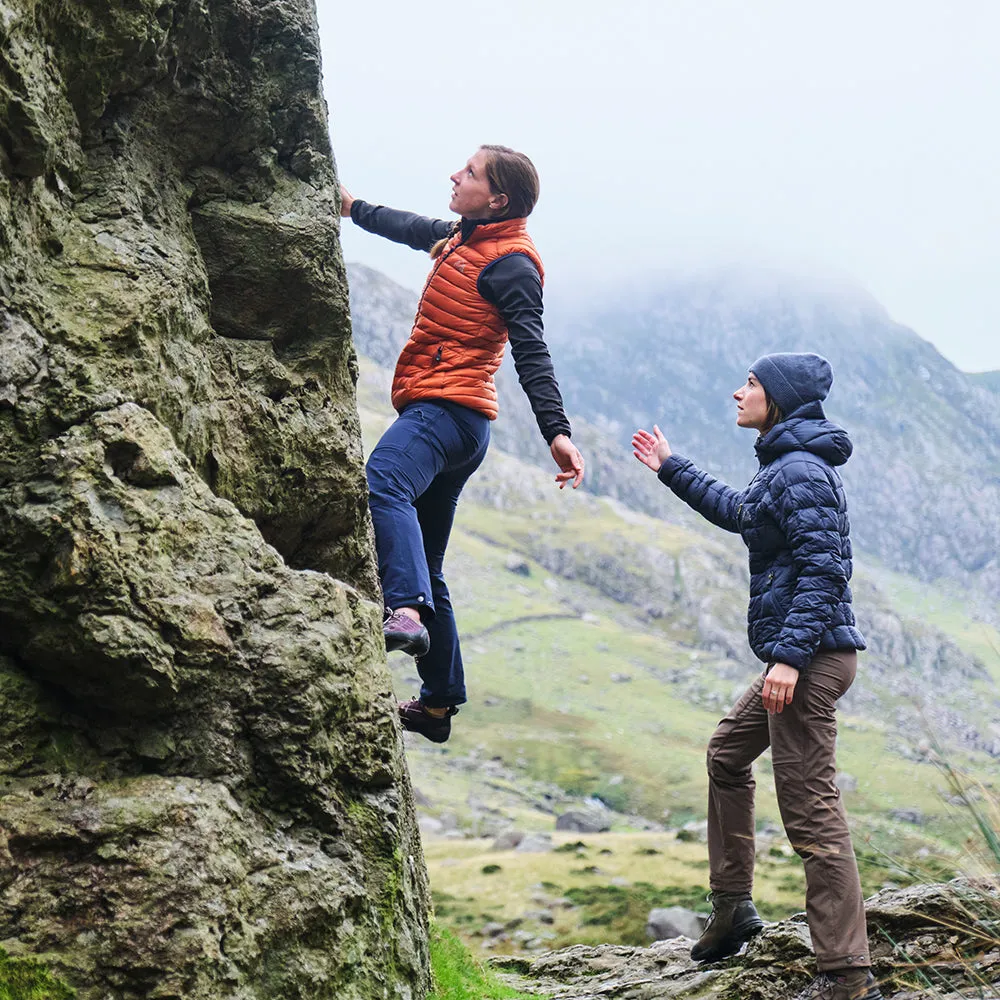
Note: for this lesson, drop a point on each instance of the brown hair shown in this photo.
(774, 414)
(509, 173)
(513, 174)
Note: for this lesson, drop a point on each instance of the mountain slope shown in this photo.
(602, 645)
(673, 596)
(924, 481)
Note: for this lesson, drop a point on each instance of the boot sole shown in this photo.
(434, 737)
(416, 647)
(731, 944)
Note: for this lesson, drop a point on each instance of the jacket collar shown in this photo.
(492, 227)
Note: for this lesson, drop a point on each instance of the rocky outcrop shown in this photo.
(926, 941)
(202, 791)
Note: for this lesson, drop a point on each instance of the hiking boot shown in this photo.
(416, 719)
(851, 984)
(734, 920)
(403, 633)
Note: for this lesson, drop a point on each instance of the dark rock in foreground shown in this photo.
(927, 941)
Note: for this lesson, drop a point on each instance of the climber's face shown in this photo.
(471, 196)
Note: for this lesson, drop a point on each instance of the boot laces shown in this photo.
(821, 986)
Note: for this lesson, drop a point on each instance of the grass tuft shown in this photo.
(458, 976)
(972, 933)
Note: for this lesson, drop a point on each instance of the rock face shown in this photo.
(926, 941)
(202, 791)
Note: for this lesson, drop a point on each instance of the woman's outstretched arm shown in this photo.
(408, 228)
(512, 283)
(713, 499)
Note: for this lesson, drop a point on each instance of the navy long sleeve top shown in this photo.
(511, 283)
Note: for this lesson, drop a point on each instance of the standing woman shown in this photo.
(485, 287)
(793, 519)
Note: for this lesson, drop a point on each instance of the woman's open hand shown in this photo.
(651, 449)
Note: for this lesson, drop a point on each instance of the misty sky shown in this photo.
(856, 137)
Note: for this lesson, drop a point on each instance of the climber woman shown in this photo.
(793, 518)
(485, 287)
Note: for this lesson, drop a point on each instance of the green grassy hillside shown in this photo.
(602, 646)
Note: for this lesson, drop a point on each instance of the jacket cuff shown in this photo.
(793, 657)
(552, 434)
(671, 466)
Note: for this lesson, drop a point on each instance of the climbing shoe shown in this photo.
(852, 984)
(733, 921)
(416, 719)
(403, 633)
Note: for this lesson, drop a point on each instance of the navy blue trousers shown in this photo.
(415, 476)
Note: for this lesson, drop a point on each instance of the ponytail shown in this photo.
(435, 251)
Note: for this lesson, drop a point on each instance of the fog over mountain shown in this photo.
(924, 481)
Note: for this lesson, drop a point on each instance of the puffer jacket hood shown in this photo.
(806, 429)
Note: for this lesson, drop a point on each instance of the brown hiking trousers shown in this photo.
(803, 741)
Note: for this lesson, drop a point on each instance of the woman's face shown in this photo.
(470, 194)
(751, 404)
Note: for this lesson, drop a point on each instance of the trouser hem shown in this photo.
(443, 702)
(728, 891)
(419, 602)
(842, 963)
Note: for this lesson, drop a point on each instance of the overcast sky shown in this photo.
(857, 137)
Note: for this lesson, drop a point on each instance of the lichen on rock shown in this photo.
(202, 788)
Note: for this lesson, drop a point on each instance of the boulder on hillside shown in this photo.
(576, 821)
(517, 565)
(674, 921)
(507, 840)
(694, 832)
(535, 843)
(913, 816)
(846, 782)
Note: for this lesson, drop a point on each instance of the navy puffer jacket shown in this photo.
(793, 518)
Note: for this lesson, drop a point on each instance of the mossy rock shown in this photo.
(204, 791)
(26, 979)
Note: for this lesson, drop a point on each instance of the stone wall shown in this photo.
(202, 790)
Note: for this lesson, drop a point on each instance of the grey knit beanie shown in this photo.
(792, 380)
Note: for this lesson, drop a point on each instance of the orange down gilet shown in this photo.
(458, 338)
